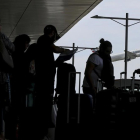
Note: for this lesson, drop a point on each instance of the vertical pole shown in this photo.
(68, 99)
(126, 47)
(73, 55)
(78, 121)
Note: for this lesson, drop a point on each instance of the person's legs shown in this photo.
(43, 102)
(42, 116)
(42, 109)
(2, 91)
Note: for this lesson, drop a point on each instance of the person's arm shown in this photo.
(8, 44)
(89, 68)
(57, 49)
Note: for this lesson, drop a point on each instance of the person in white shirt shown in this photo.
(94, 68)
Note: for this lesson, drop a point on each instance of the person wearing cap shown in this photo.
(45, 75)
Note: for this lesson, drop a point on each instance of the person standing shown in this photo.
(45, 73)
(97, 65)
(6, 67)
(18, 84)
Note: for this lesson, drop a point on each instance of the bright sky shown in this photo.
(88, 31)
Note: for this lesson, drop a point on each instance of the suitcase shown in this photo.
(111, 111)
(133, 112)
(118, 111)
(63, 71)
(74, 116)
(111, 108)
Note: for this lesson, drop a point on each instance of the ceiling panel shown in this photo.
(31, 16)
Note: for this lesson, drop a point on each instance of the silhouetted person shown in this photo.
(18, 81)
(98, 65)
(19, 74)
(27, 122)
(5, 70)
(45, 74)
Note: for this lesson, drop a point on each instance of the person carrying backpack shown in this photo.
(99, 66)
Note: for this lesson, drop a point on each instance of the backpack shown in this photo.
(107, 73)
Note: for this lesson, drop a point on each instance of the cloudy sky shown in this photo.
(88, 31)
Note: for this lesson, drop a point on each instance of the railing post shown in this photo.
(73, 55)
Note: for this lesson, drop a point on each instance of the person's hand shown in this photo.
(66, 51)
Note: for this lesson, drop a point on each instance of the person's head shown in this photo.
(21, 42)
(51, 31)
(105, 47)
